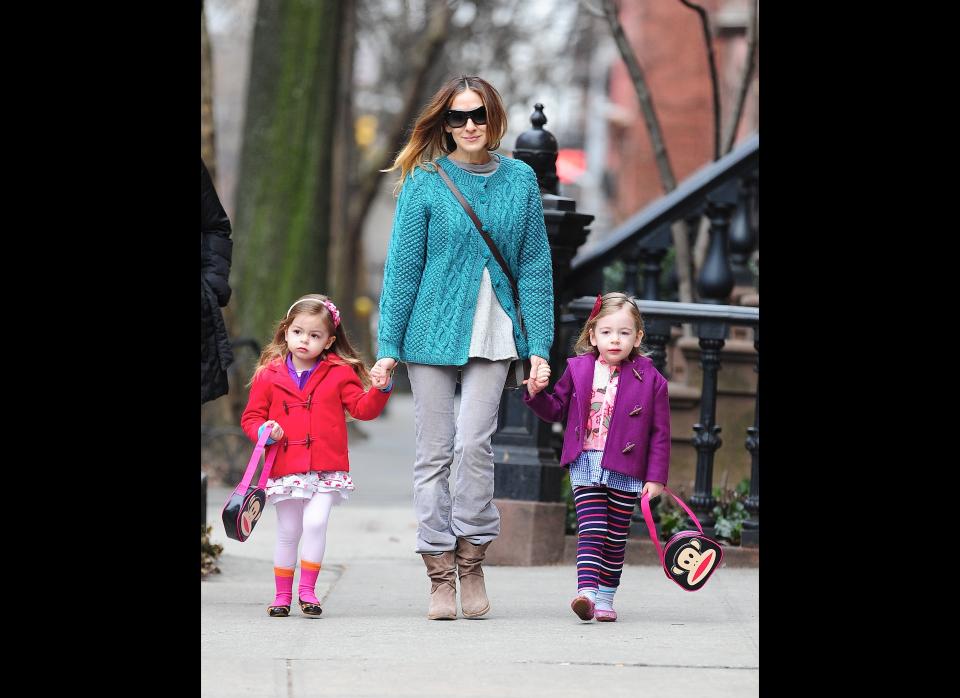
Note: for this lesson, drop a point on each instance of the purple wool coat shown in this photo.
(638, 442)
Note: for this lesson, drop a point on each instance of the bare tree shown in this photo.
(688, 229)
(712, 65)
(745, 80)
(753, 43)
(207, 142)
(341, 250)
(421, 57)
(283, 212)
(413, 48)
(681, 231)
(358, 174)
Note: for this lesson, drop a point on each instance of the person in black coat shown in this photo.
(216, 249)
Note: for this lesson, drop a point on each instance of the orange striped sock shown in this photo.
(309, 571)
(283, 576)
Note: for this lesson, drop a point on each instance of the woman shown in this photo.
(447, 307)
(216, 250)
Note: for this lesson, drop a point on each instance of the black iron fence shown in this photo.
(727, 192)
(631, 258)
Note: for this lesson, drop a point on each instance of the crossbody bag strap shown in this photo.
(487, 239)
(652, 529)
(254, 461)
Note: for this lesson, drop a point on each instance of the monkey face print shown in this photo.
(241, 512)
(250, 515)
(690, 559)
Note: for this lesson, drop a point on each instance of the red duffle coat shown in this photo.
(313, 422)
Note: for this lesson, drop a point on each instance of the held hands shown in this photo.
(652, 488)
(539, 377)
(381, 372)
(535, 363)
(276, 431)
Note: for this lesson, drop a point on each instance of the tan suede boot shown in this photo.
(473, 591)
(443, 591)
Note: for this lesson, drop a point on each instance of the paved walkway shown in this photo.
(374, 640)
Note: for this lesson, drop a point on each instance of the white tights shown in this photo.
(302, 516)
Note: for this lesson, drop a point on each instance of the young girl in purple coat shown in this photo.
(616, 442)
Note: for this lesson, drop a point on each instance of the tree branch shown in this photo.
(680, 230)
(591, 9)
(423, 56)
(643, 94)
(753, 41)
(705, 22)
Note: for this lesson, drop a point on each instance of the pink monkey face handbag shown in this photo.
(689, 558)
(243, 509)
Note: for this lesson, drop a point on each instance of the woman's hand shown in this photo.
(652, 488)
(381, 372)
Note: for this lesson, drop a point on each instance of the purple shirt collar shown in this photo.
(302, 379)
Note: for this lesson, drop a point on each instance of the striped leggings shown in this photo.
(603, 523)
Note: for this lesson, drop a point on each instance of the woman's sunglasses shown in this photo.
(456, 118)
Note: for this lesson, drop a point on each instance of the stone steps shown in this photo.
(736, 402)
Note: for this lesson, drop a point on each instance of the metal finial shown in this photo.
(538, 119)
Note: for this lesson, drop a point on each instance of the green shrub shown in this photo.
(671, 517)
(729, 513)
(209, 552)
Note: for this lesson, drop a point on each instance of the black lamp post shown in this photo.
(527, 474)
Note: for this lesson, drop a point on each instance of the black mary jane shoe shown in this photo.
(278, 611)
(310, 609)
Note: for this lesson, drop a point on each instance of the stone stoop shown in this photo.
(531, 533)
(746, 296)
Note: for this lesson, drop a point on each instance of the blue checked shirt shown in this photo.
(585, 471)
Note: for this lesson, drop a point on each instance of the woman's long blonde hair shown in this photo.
(609, 304)
(312, 304)
(429, 140)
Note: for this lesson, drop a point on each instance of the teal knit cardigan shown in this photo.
(436, 257)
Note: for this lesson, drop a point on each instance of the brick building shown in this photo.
(668, 40)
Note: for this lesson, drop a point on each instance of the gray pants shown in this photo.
(442, 439)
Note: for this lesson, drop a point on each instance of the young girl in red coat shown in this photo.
(304, 381)
(616, 442)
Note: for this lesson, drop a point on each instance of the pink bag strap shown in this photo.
(652, 529)
(255, 461)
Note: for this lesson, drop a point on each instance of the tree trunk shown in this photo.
(282, 227)
(421, 58)
(344, 262)
(349, 270)
(207, 144)
(712, 66)
(680, 230)
(753, 40)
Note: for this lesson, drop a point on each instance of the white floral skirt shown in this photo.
(304, 485)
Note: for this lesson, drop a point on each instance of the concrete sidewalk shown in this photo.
(374, 640)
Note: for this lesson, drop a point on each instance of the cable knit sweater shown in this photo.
(436, 259)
